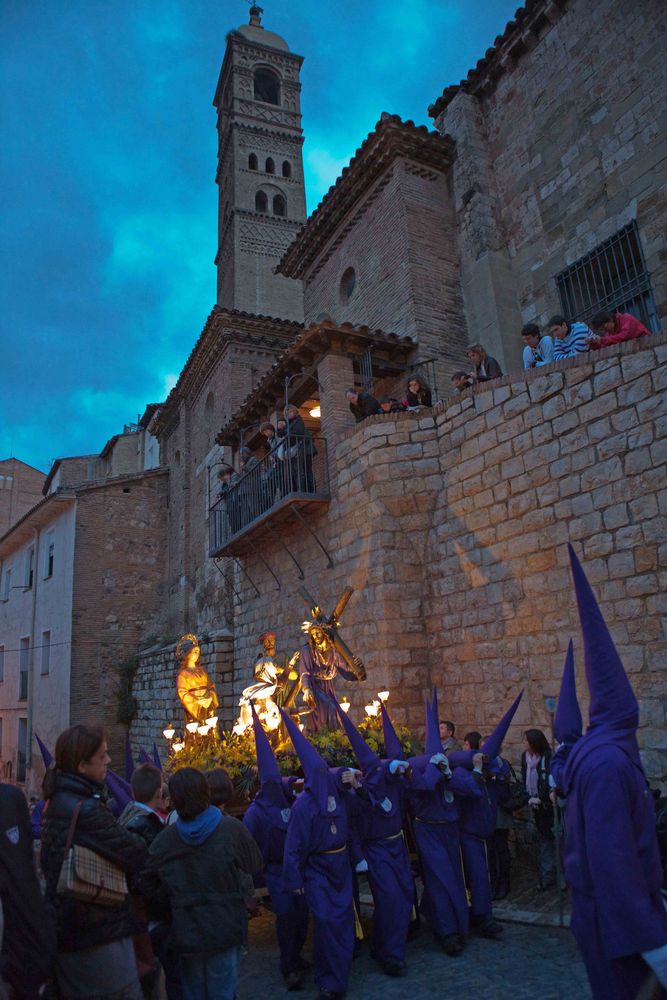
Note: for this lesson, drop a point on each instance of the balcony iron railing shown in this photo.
(293, 475)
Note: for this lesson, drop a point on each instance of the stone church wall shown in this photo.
(566, 150)
(452, 527)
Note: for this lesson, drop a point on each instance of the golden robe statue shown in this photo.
(195, 688)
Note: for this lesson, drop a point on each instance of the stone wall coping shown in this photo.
(514, 381)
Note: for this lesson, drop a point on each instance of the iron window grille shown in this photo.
(612, 277)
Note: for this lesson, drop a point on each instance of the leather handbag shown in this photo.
(87, 877)
(517, 795)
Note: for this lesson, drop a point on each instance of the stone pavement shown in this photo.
(528, 962)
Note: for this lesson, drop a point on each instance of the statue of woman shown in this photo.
(195, 688)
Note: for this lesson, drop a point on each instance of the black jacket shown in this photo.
(365, 406)
(144, 822)
(29, 942)
(85, 925)
(201, 885)
(492, 370)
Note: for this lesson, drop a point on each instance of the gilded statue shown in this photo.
(195, 688)
(276, 683)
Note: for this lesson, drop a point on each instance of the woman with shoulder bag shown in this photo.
(535, 768)
(85, 857)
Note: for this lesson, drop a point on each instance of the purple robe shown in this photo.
(319, 678)
(379, 823)
(612, 865)
(267, 819)
(477, 822)
(433, 803)
(316, 860)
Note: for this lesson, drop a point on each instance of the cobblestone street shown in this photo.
(528, 962)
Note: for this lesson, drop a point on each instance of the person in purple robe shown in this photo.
(433, 792)
(477, 822)
(379, 826)
(568, 725)
(612, 861)
(267, 818)
(316, 862)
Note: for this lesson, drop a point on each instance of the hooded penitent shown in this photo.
(271, 795)
(611, 856)
(432, 740)
(156, 757)
(492, 745)
(613, 712)
(366, 758)
(392, 745)
(47, 756)
(568, 726)
(317, 779)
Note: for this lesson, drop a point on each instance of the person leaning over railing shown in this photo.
(570, 339)
(299, 443)
(538, 349)
(486, 367)
(615, 329)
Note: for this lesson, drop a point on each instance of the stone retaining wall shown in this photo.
(452, 526)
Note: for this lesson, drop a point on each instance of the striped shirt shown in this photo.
(575, 343)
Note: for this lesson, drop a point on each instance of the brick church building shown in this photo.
(541, 189)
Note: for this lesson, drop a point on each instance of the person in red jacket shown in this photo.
(615, 328)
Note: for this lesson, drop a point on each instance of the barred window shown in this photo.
(612, 277)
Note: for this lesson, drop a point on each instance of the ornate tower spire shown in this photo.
(261, 202)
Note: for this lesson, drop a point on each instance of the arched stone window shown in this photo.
(261, 202)
(347, 284)
(252, 161)
(287, 168)
(270, 166)
(279, 205)
(209, 404)
(267, 86)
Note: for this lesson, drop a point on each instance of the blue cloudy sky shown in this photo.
(109, 232)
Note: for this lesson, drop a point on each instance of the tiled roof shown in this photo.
(220, 325)
(306, 348)
(391, 138)
(520, 35)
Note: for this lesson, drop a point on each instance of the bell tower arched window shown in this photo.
(252, 161)
(279, 205)
(287, 168)
(261, 202)
(270, 166)
(267, 86)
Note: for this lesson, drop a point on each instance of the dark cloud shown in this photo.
(108, 177)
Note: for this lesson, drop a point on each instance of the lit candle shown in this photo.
(345, 705)
(169, 732)
(192, 727)
(212, 722)
(383, 695)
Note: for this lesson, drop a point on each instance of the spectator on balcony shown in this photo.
(537, 350)
(418, 393)
(486, 367)
(472, 740)
(570, 339)
(390, 405)
(462, 381)
(615, 329)
(362, 404)
(299, 443)
(268, 432)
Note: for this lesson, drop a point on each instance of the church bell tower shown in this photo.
(261, 196)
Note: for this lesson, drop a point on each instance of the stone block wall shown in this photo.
(452, 526)
(154, 689)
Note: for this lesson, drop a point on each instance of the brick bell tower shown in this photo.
(261, 200)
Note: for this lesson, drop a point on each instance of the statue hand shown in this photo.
(361, 669)
(308, 696)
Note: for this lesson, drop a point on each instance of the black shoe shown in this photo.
(293, 981)
(451, 945)
(393, 968)
(491, 928)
